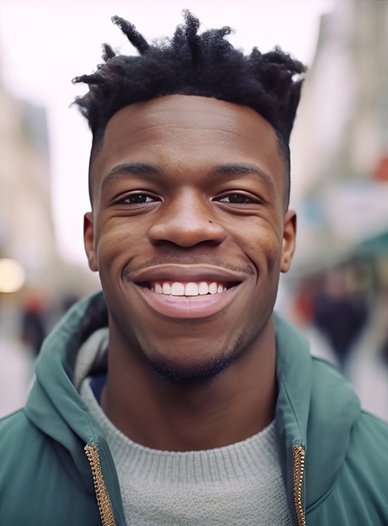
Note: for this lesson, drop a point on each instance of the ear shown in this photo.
(289, 239)
(89, 241)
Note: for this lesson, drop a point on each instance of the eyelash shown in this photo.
(242, 198)
(126, 199)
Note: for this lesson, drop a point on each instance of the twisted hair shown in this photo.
(190, 63)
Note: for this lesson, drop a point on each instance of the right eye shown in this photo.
(136, 198)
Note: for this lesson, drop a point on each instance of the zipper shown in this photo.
(299, 457)
(105, 506)
(103, 500)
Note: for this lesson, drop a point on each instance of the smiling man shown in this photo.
(177, 396)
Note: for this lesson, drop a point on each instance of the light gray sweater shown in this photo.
(239, 485)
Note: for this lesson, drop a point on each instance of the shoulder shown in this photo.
(368, 447)
(14, 431)
(358, 495)
(19, 461)
(38, 485)
(21, 445)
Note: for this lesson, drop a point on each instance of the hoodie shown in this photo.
(56, 468)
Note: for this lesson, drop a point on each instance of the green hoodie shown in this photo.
(55, 468)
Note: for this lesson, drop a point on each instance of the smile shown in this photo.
(189, 289)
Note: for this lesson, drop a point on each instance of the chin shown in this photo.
(190, 373)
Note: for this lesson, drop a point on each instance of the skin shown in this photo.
(186, 183)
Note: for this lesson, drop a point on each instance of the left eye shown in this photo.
(137, 199)
(236, 198)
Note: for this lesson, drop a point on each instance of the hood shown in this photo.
(54, 405)
(315, 408)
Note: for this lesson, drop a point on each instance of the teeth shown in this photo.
(166, 288)
(203, 288)
(213, 288)
(177, 289)
(190, 288)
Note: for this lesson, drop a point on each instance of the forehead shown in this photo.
(187, 132)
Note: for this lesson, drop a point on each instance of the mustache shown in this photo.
(187, 259)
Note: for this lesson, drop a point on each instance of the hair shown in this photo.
(190, 63)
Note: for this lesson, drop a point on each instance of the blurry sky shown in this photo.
(44, 44)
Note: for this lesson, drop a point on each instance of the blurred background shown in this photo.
(337, 290)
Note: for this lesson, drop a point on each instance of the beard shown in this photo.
(202, 371)
(179, 373)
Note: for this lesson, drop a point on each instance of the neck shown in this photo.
(203, 414)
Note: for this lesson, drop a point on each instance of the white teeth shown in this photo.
(190, 288)
(203, 288)
(213, 288)
(177, 289)
(166, 288)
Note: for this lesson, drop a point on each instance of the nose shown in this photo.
(186, 221)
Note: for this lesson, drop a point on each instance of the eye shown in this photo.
(237, 198)
(137, 198)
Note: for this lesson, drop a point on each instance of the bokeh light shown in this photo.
(12, 276)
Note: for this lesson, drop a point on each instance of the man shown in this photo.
(177, 397)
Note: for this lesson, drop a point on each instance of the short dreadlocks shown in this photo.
(194, 64)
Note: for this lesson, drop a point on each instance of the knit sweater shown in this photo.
(240, 484)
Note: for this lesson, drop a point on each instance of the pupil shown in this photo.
(139, 198)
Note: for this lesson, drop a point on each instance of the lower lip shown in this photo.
(188, 307)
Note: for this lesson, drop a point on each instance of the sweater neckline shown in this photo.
(255, 454)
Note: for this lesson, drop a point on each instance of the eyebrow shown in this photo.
(243, 169)
(130, 169)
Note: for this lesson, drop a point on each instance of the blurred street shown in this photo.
(15, 377)
(16, 364)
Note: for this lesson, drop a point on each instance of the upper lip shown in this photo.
(186, 273)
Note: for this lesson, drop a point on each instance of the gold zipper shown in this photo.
(299, 456)
(102, 496)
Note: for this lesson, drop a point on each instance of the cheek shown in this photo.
(262, 245)
(115, 242)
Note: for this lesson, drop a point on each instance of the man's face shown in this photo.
(188, 231)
